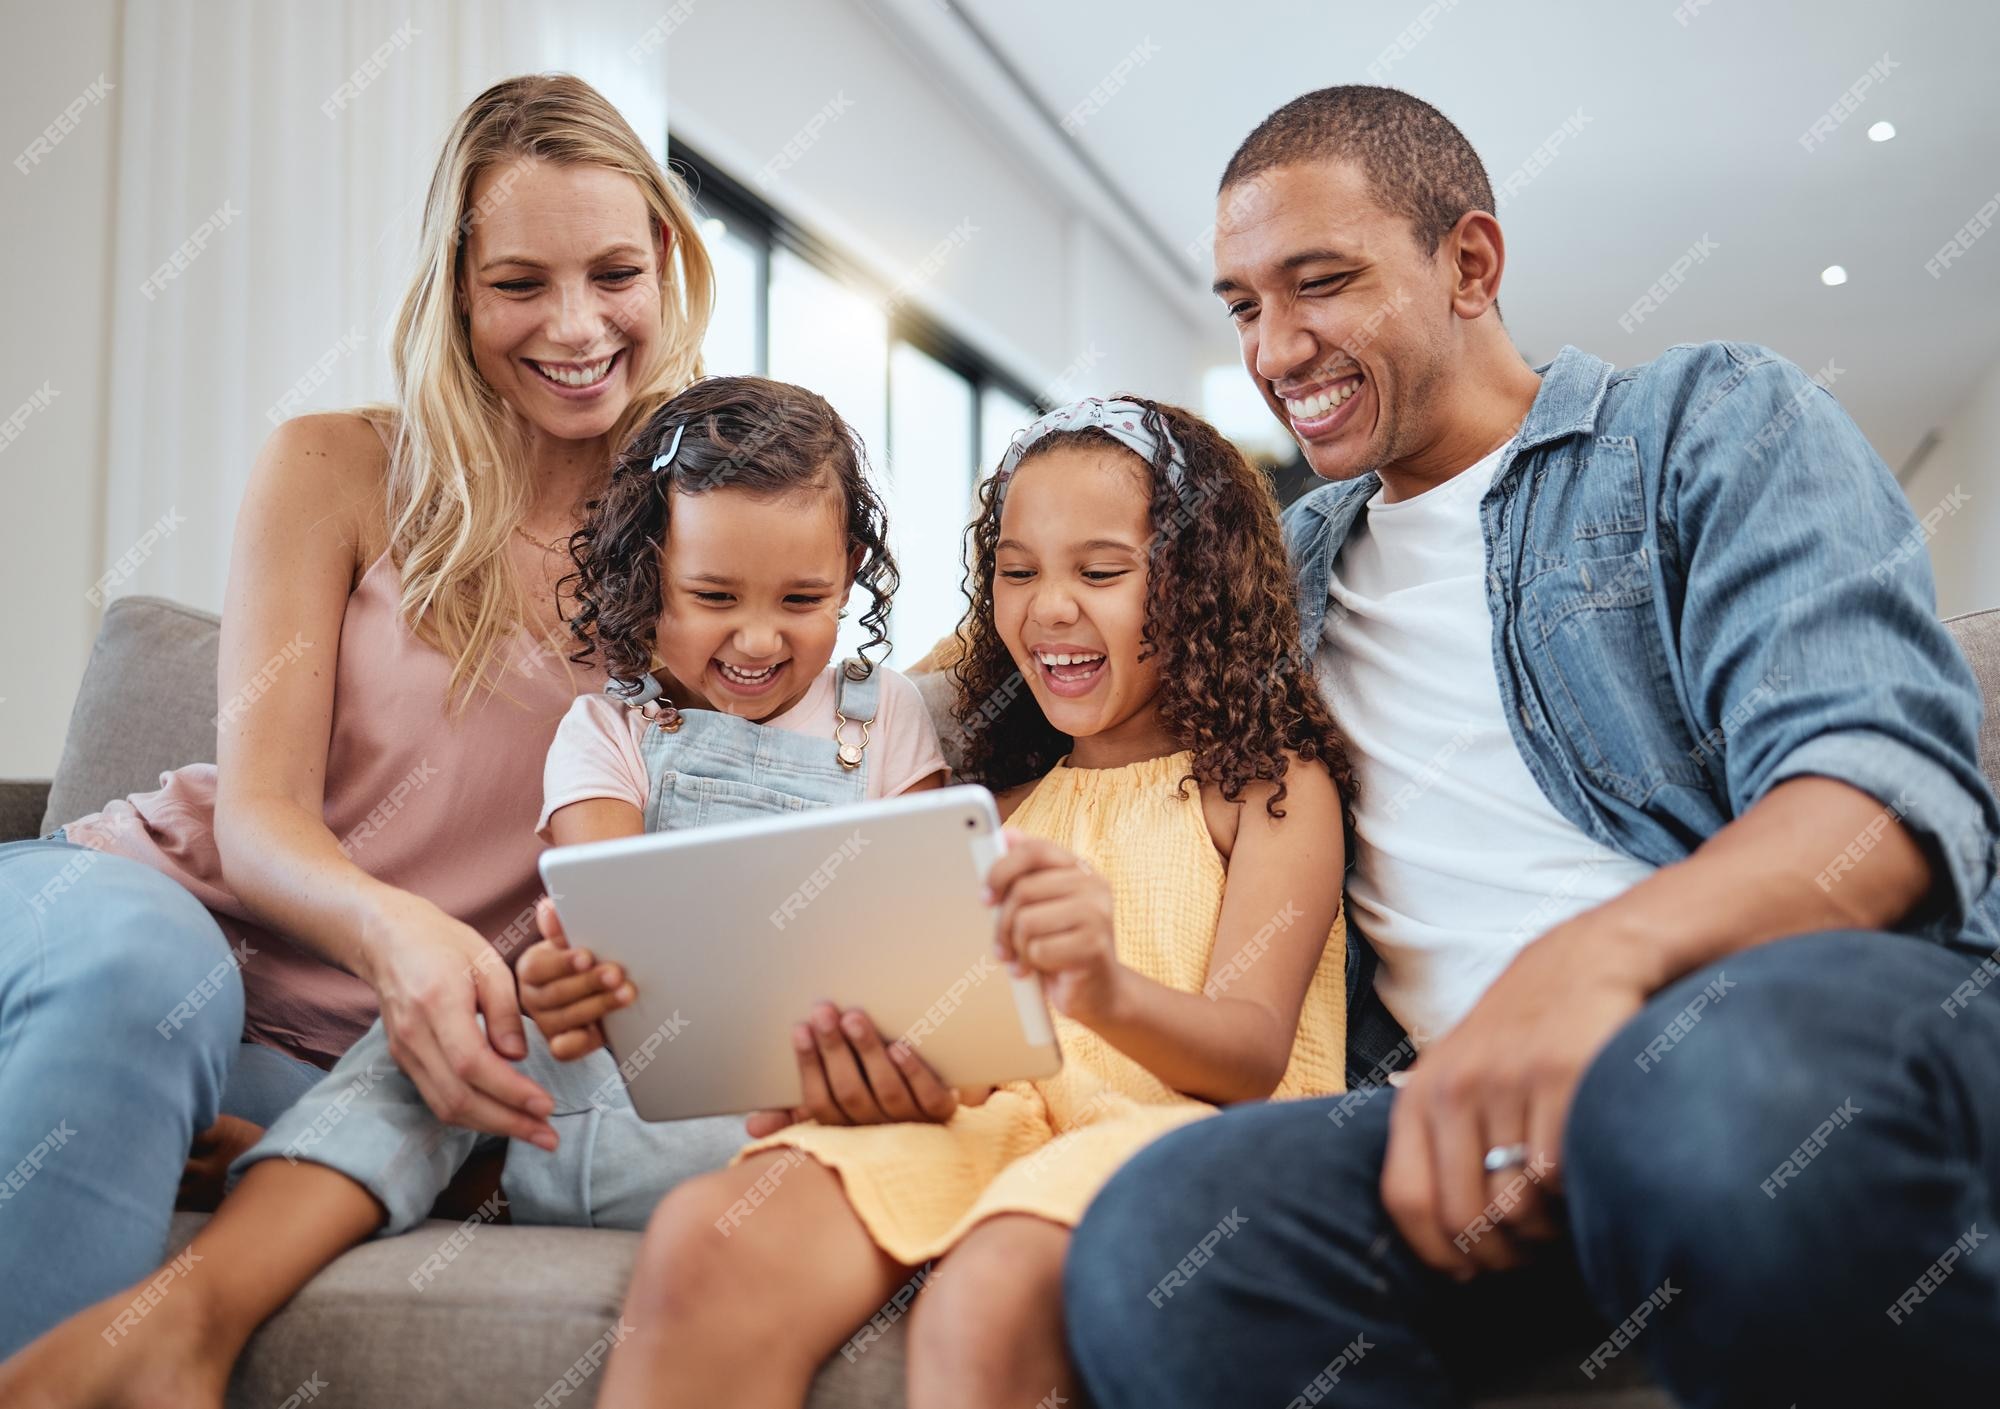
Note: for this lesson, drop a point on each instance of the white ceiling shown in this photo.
(1692, 130)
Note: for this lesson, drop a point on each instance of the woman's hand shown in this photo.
(563, 993)
(436, 977)
(1056, 920)
(850, 1076)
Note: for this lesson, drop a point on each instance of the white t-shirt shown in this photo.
(1461, 861)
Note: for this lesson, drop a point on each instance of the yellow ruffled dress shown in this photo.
(1047, 1147)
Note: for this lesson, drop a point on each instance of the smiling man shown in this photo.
(1672, 849)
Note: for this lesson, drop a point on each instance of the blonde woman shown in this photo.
(392, 672)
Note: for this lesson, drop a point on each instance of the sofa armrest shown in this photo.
(22, 803)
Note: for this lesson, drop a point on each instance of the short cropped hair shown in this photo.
(1417, 163)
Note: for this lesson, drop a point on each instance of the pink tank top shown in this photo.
(443, 806)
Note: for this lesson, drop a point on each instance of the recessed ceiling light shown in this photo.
(1833, 274)
(1881, 131)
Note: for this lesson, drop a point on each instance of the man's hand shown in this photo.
(1505, 1076)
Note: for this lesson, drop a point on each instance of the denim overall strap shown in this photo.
(855, 700)
(718, 768)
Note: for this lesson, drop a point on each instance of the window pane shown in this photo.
(929, 496)
(730, 348)
(832, 340)
(1000, 415)
(835, 341)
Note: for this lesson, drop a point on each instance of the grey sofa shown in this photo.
(519, 1308)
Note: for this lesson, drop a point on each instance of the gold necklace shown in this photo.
(545, 547)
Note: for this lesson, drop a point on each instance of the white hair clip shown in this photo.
(660, 462)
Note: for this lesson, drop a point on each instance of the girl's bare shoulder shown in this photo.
(1307, 785)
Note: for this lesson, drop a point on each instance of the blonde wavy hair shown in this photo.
(458, 479)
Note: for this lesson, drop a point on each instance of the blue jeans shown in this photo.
(1787, 1201)
(100, 1094)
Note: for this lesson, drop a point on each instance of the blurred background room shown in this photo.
(943, 214)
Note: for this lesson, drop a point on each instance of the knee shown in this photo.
(976, 1314)
(1675, 1154)
(138, 955)
(1785, 1117)
(702, 1243)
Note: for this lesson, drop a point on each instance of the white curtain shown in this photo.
(272, 165)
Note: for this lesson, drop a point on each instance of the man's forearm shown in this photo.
(1812, 854)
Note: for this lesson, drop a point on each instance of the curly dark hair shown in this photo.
(1236, 686)
(742, 433)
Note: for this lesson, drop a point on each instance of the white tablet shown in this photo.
(732, 933)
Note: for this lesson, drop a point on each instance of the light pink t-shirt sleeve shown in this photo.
(595, 754)
(904, 741)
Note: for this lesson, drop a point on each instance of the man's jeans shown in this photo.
(1779, 1195)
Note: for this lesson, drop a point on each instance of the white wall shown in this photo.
(1960, 480)
(55, 244)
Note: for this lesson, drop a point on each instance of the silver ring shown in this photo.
(1502, 1158)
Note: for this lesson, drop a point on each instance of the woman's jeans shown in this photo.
(121, 1014)
(1779, 1185)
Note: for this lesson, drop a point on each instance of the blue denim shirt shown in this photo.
(1703, 581)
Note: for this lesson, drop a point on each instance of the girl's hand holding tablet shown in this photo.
(850, 1076)
(1055, 920)
(565, 991)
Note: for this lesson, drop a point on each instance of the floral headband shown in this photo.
(1123, 421)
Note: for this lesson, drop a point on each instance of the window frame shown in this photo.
(747, 214)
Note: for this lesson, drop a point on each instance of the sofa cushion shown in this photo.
(522, 1313)
(1978, 635)
(510, 1316)
(146, 706)
(23, 803)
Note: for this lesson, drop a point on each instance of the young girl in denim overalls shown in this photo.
(712, 576)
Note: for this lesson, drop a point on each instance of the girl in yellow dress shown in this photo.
(1173, 785)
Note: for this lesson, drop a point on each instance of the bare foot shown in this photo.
(207, 1171)
(125, 1353)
